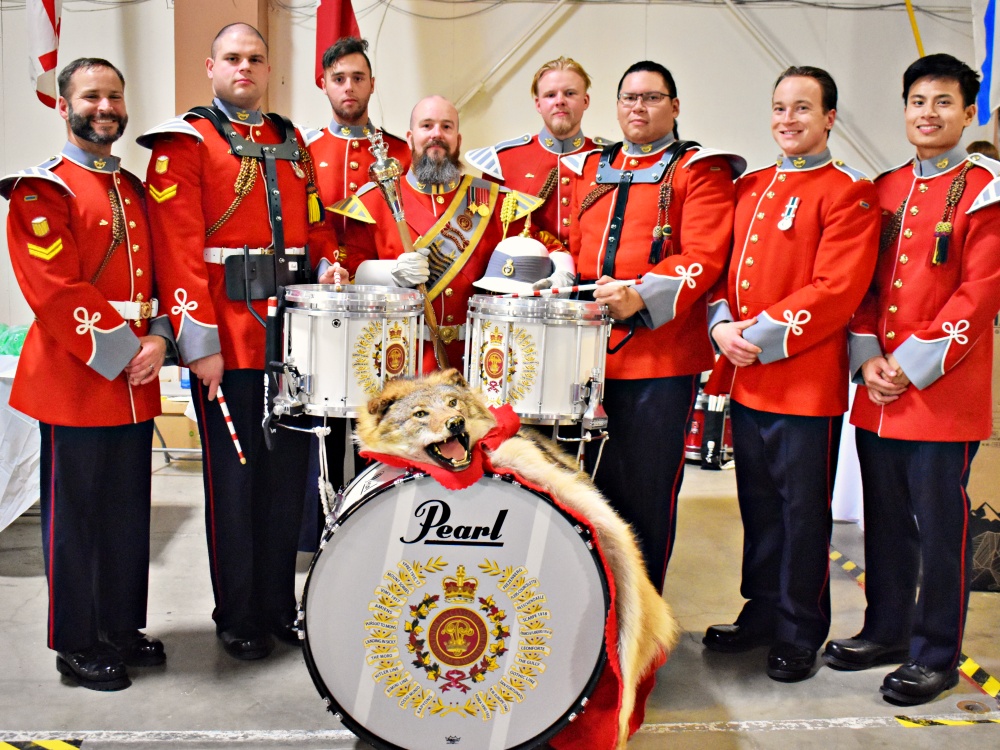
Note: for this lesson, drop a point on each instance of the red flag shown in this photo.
(334, 19)
(43, 18)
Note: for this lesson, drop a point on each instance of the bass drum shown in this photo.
(436, 618)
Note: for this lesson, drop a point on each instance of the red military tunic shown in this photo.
(525, 164)
(936, 319)
(342, 160)
(674, 340)
(805, 242)
(59, 229)
(375, 232)
(191, 179)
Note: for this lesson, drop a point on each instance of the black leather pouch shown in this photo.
(258, 269)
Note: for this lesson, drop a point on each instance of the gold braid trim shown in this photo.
(891, 230)
(117, 233)
(591, 198)
(550, 184)
(244, 184)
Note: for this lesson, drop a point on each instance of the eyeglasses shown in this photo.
(649, 99)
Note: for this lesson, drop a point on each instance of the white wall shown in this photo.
(723, 76)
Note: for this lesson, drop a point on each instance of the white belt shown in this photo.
(447, 333)
(219, 254)
(136, 310)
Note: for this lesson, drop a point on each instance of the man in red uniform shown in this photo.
(341, 149)
(805, 244)
(454, 221)
(922, 346)
(89, 373)
(657, 209)
(532, 164)
(216, 194)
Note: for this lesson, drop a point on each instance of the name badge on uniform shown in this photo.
(789, 215)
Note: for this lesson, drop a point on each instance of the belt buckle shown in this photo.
(447, 334)
(145, 310)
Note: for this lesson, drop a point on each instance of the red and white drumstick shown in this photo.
(229, 424)
(568, 289)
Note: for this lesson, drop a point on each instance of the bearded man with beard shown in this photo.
(89, 373)
(453, 219)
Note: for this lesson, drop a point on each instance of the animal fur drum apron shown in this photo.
(442, 618)
(539, 354)
(342, 347)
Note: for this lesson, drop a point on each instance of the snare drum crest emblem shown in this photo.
(519, 366)
(462, 658)
(368, 355)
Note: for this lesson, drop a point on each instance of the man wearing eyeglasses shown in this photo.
(660, 210)
(805, 244)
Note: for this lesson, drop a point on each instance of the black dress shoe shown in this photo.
(858, 653)
(136, 648)
(246, 642)
(731, 639)
(914, 683)
(96, 668)
(787, 662)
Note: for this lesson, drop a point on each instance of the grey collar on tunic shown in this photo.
(93, 162)
(352, 131)
(238, 114)
(645, 149)
(940, 163)
(802, 163)
(430, 189)
(561, 145)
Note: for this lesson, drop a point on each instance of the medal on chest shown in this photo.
(788, 216)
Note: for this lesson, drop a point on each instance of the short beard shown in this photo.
(431, 172)
(347, 117)
(82, 128)
(564, 131)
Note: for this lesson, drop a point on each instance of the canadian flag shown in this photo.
(334, 19)
(43, 46)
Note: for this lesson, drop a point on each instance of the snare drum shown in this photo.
(536, 353)
(696, 431)
(346, 345)
(437, 618)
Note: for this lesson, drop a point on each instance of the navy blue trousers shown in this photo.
(253, 512)
(95, 488)
(642, 467)
(785, 465)
(917, 532)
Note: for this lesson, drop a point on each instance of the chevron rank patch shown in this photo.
(353, 208)
(45, 253)
(162, 163)
(40, 226)
(161, 196)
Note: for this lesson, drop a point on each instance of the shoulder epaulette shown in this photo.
(526, 203)
(41, 172)
(309, 135)
(755, 170)
(898, 167)
(353, 207)
(855, 174)
(990, 165)
(736, 162)
(173, 125)
(987, 196)
(485, 159)
(368, 186)
(574, 162)
(598, 141)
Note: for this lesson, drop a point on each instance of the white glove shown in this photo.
(411, 269)
(564, 274)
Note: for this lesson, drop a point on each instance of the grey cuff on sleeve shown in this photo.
(770, 336)
(659, 293)
(861, 348)
(719, 312)
(922, 361)
(113, 350)
(195, 340)
(160, 326)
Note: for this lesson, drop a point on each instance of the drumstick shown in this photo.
(229, 424)
(569, 289)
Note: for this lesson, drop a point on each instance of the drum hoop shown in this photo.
(367, 735)
(555, 322)
(553, 309)
(372, 312)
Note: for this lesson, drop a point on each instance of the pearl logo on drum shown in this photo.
(433, 518)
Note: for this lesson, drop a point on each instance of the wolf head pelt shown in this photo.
(433, 418)
(438, 417)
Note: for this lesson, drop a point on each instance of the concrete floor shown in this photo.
(203, 698)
